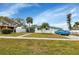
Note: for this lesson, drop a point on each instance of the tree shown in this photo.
(29, 21)
(76, 25)
(45, 26)
(69, 21)
(20, 21)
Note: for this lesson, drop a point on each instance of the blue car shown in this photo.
(63, 32)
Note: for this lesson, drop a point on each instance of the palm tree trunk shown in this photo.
(69, 21)
(14, 30)
(29, 27)
(69, 25)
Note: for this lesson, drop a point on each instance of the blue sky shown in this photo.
(53, 13)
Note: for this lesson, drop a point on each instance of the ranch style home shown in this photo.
(38, 30)
(49, 30)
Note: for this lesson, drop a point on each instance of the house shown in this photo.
(7, 23)
(5, 26)
(37, 29)
(49, 30)
(75, 28)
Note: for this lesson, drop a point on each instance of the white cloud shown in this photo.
(61, 25)
(14, 9)
(52, 14)
(49, 14)
(72, 10)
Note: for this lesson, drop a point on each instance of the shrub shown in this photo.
(7, 31)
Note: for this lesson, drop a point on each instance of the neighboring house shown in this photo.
(5, 26)
(49, 30)
(6, 23)
(75, 29)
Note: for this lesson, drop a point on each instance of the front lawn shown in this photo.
(45, 35)
(47, 47)
(12, 34)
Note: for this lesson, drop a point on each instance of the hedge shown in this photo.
(7, 31)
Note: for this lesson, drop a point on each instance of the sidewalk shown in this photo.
(71, 37)
(24, 35)
(7, 37)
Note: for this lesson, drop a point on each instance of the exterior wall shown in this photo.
(37, 31)
(46, 31)
(1, 23)
(54, 30)
(19, 29)
(74, 31)
(6, 27)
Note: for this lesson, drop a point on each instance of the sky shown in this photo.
(53, 13)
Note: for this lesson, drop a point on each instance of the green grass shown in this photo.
(37, 47)
(45, 35)
(12, 34)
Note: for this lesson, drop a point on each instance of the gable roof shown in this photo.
(6, 20)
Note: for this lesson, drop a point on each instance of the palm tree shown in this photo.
(69, 21)
(45, 26)
(29, 21)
